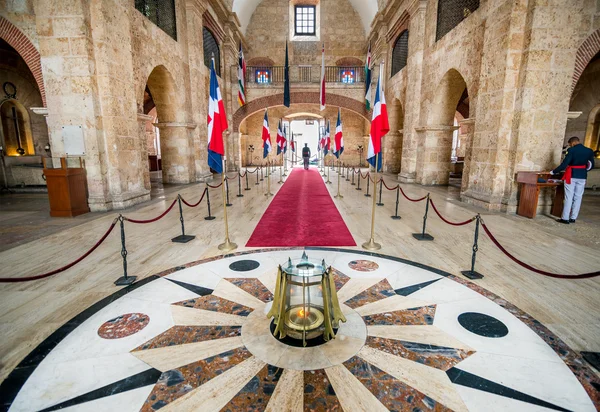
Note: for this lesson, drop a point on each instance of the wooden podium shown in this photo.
(67, 188)
(530, 193)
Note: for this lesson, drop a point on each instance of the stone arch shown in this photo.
(297, 98)
(176, 148)
(588, 49)
(18, 41)
(448, 95)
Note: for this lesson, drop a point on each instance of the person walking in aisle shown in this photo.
(578, 160)
(306, 155)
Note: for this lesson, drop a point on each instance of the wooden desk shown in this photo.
(67, 189)
(530, 193)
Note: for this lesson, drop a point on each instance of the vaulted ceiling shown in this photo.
(366, 9)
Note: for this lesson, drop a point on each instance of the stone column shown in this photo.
(176, 151)
(434, 153)
(412, 107)
(468, 126)
(143, 120)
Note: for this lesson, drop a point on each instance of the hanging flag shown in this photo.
(280, 139)
(327, 139)
(339, 137)
(321, 144)
(368, 92)
(266, 136)
(379, 123)
(292, 142)
(217, 123)
(241, 77)
(286, 76)
(322, 92)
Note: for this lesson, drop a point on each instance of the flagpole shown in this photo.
(371, 244)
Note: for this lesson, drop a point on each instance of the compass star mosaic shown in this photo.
(415, 339)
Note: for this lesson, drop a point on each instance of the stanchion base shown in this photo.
(125, 281)
(352, 184)
(421, 236)
(396, 217)
(367, 195)
(209, 218)
(183, 238)
(379, 204)
(268, 194)
(371, 245)
(228, 204)
(227, 246)
(471, 274)
(262, 180)
(248, 188)
(358, 188)
(339, 196)
(239, 195)
(329, 182)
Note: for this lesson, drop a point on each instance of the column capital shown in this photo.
(436, 128)
(43, 111)
(144, 117)
(573, 115)
(166, 125)
(468, 121)
(417, 6)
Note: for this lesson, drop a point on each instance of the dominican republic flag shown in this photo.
(286, 77)
(379, 123)
(285, 138)
(217, 123)
(241, 77)
(368, 92)
(280, 139)
(292, 143)
(322, 92)
(339, 137)
(327, 144)
(266, 136)
(321, 144)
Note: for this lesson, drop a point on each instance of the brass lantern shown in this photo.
(305, 305)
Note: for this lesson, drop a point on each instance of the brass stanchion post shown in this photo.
(339, 195)
(281, 170)
(371, 244)
(268, 194)
(228, 245)
(328, 181)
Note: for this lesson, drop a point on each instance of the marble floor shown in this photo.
(192, 333)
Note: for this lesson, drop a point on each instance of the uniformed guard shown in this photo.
(578, 160)
(306, 155)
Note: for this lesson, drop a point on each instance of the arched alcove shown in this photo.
(17, 137)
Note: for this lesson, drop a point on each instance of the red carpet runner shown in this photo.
(302, 214)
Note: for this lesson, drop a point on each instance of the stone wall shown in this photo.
(341, 30)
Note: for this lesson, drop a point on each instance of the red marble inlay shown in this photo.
(123, 326)
(392, 393)
(216, 304)
(414, 316)
(255, 395)
(318, 393)
(438, 357)
(254, 287)
(376, 292)
(339, 278)
(178, 382)
(180, 335)
(363, 265)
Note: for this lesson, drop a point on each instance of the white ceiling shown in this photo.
(366, 9)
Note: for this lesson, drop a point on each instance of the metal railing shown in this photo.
(304, 74)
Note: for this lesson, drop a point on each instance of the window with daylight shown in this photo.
(211, 48)
(161, 13)
(451, 12)
(347, 75)
(305, 20)
(263, 76)
(400, 53)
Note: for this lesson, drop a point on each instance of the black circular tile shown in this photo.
(482, 325)
(244, 265)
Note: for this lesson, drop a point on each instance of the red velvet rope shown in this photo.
(466, 222)
(195, 204)
(62, 269)
(255, 170)
(215, 187)
(386, 186)
(526, 266)
(152, 220)
(412, 200)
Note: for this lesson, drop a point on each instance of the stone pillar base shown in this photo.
(406, 177)
(204, 177)
(118, 202)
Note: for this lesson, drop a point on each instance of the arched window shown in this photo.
(400, 53)
(16, 129)
(451, 12)
(211, 46)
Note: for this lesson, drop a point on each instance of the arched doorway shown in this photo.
(171, 142)
(437, 155)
